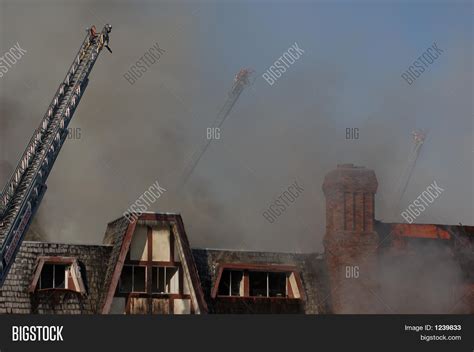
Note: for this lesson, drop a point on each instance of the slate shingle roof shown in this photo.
(14, 296)
(114, 236)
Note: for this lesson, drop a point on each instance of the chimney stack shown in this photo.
(350, 241)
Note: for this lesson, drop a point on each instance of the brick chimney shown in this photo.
(350, 241)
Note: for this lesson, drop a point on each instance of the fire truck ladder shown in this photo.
(418, 139)
(241, 80)
(22, 194)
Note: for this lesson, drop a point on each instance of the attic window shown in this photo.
(258, 280)
(57, 273)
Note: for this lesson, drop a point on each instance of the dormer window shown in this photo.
(258, 281)
(58, 273)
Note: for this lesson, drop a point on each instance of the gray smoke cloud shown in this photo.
(426, 280)
(133, 135)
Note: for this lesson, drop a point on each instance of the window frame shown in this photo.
(246, 268)
(71, 266)
(149, 264)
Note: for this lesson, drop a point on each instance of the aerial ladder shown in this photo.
(24, 191)
(419, 137)
(241, 80)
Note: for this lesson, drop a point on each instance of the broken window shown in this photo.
(126, 282)
(231, 283)
(256, 280)
(165, 279)
(139, 279)
(57, 273)
(268, 284)
(277, 285)
(258, 283)
(158, 286)
(133, 279)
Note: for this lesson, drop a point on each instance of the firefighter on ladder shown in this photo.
(92, 32)
(92, 35)
(104, 37)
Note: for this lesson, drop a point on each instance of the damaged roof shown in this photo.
(103, 265)
(310, 267)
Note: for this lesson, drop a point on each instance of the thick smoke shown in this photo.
(426, 279)
(134, 135)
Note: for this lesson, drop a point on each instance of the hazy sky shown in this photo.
(134, 135)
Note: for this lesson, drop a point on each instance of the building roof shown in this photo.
(103, 264)
(14, 295)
